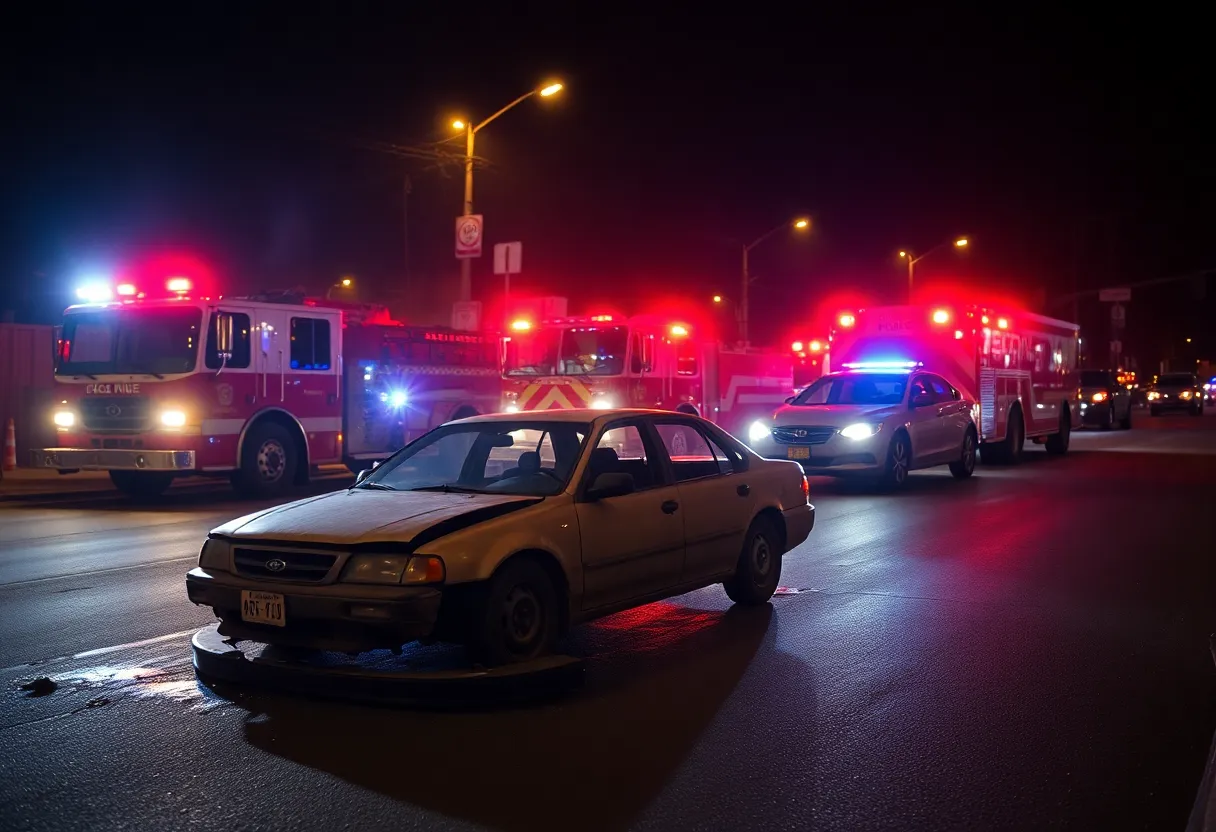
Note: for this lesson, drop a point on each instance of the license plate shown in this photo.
(798, 453)
(263, 608)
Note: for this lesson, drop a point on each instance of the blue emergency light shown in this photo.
(882, 365)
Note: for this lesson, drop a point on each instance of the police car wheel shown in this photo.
(899, 462)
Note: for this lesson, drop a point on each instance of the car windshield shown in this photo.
(856, 388)
(1177, 380)
(130, 341)
(597, 350)
(1094, 378)
(526, 457)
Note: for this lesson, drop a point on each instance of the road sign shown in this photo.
(1118, 314)
(508, 257)
(468, 236)
(1119, 295)
(466, 315)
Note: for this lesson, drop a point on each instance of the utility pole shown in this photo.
(466, 264)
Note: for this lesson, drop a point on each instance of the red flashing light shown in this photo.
(521, 325)
(178, 284)
(1002, 323)
(847, 320)
(126, 289)
(958, 334)
(678, 330)
(796, 346)
(984, 319)
(816, 346)
(601, 318)
(941, 316)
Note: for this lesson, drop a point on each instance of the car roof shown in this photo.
(578, 415)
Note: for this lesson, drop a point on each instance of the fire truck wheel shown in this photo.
(1058, 442)
(899, 462)
(519, 619)
(268, 461)
(759, 569)
(1009, 450)
(143, 484)
(964, 466)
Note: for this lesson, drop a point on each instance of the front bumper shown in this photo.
(838, 456)
(340, 617)
(1095, 413)
(113, 459)
(1175, 403)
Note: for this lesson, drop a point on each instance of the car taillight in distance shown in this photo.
(806, 489)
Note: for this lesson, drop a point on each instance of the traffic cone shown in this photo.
(10, 446)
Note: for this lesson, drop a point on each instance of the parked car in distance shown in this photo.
(1104, 401)
(501, 531)
(1175, 391)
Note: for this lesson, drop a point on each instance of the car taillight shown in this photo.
(806, 489)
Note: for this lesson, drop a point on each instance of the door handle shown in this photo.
(743, 490)
(670, 506)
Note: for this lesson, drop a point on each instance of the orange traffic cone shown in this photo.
(10, 446)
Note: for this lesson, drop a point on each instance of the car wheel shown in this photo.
(964, 466)
(759, 569)
(1126, 423)
(1058, 442)
(519, 618)
(1109, 422)
(268, 461)
(899, 462)
(141, 484)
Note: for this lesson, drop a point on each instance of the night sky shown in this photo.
(1066, 148)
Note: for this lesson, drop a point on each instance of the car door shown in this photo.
(924, 427)
(632, 545)
(716, 499)
(952, 418)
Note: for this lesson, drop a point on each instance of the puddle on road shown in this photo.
(174, 681)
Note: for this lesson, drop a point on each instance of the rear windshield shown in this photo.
(1177, 379)
(1094, 378)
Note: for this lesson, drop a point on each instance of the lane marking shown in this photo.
(143, 565)
(101, 651)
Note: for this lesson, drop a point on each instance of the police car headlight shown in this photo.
(64, 418)
(215, 554)
(861, 430)
(173, 418)
(758, 431)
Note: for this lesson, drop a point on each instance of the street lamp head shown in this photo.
(802, 223)
(458, 124)
(717, 298)
(903, 254)
(961, 242)
(551, 89)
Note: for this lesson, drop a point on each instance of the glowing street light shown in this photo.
(347, 283)
(799, 224)
(470, 130)
(904, 254)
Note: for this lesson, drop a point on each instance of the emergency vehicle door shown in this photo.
(229, 352)
(924, 424)
(270, 356)
(951, 417)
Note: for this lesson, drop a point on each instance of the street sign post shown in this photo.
(1116, 295)
(508, 258)
(1118, 315)
(469, 230)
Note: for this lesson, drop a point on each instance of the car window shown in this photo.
(919, 387)
(622, 450)
(940, 389)
(692, 454)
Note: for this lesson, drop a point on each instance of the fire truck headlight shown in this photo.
(757, 432)
(861, 430)
(511, 407)
(64, 418)
(602, 403)
(173, 418)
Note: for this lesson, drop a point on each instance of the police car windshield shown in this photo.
(856, 389)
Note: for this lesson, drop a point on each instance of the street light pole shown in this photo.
(747, 278)
(912, 259)
(471, 130)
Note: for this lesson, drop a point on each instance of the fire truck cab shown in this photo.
(157, 385)
(606, 361)
(1020, 368)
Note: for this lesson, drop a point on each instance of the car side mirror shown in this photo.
(362, 475)
(922, 400)
(610, 485)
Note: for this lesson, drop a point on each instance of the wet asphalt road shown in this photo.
(1023, 650)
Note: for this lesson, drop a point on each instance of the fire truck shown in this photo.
(607, 361)
(157, 384)
(1020, 368)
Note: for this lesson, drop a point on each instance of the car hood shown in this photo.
(366, 516)
(833, 414)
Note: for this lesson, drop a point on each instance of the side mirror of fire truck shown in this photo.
(223, 335)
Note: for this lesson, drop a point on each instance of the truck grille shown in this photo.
(116, 414)
(311, 567)
(799, 435)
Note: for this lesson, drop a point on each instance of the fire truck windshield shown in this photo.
(568, 351)
(130, 341)
(856, 388)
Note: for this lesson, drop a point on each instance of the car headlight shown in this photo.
(173, 418)
(861, 430)
(511, 407)
(64, 418)
(602, 403)
(215, 554)
(1153, 395)
(1185, 394)
(758, 431)
(1099, 397)
(394, 569)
